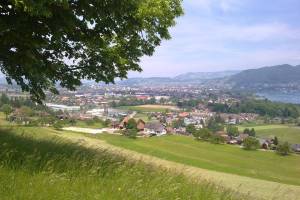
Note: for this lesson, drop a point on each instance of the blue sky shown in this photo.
(217, 35)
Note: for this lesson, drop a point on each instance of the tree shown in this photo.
(190, 128)
(205, 133)
(216, 139)
(90, 122)
(131, 133)
(232, 130)
(26, 111)
(283, 149)
(197, 134)
(4, 99)
(247, 131)
(251, 143)
(178, 123)
(275, 141)
(214, 125)
(6, 109)
(66, 41)
(107, 123)
(72, 121)
(252, 132)
(131, 124)
(58, 125)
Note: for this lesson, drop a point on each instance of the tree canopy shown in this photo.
(43, 43)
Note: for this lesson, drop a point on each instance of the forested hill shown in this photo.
(275, 75)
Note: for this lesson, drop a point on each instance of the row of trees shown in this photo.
(206, 135)
(131, 101)
(251, 143)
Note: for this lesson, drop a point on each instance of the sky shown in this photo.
(218, 35)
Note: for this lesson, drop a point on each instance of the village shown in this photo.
(148, 112)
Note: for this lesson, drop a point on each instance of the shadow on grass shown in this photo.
(49, 155)
(52, 154)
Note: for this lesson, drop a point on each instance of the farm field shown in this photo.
(287, 133)
(222, 158)
(38, 163)
(149, 108)
(85, 124)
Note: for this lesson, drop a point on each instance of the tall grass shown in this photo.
(45, 167)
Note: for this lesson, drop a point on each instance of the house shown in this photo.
(124, 123)
(265, 144)
(169, 130)
(181, 131)
(296, 148)
(223, 135)
(183, 114)
(115, 124)
(232, 141)
(154, 128)
(140, 125)
(242, 137)
(198, 126)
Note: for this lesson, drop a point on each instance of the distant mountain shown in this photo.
(267, 77)
(187, 78)
(204, 75)
(146, 81)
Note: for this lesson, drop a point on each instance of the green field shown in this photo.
(85, 124)
(37, 163)
(223, 158)
(141, 116)
(287, 133)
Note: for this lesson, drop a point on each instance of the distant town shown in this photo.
(156, 111)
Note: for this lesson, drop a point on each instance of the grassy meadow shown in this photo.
(222, 158)
(287, 133)
(85, 124)
(36, 163)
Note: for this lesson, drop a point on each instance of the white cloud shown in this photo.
(208, 41)
(209, 5)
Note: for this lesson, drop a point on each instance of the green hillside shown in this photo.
(222, 158)
(35, 163)
(284, 133)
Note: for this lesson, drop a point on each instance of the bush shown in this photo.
(205, 134)
(196, 135)
(57, 125)
(216, 139)
(33, 123)
(131, 133)
(232, 130)
(191, 129)
(90, 122)
(251, 143)
(283, 149)
(252, 132)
